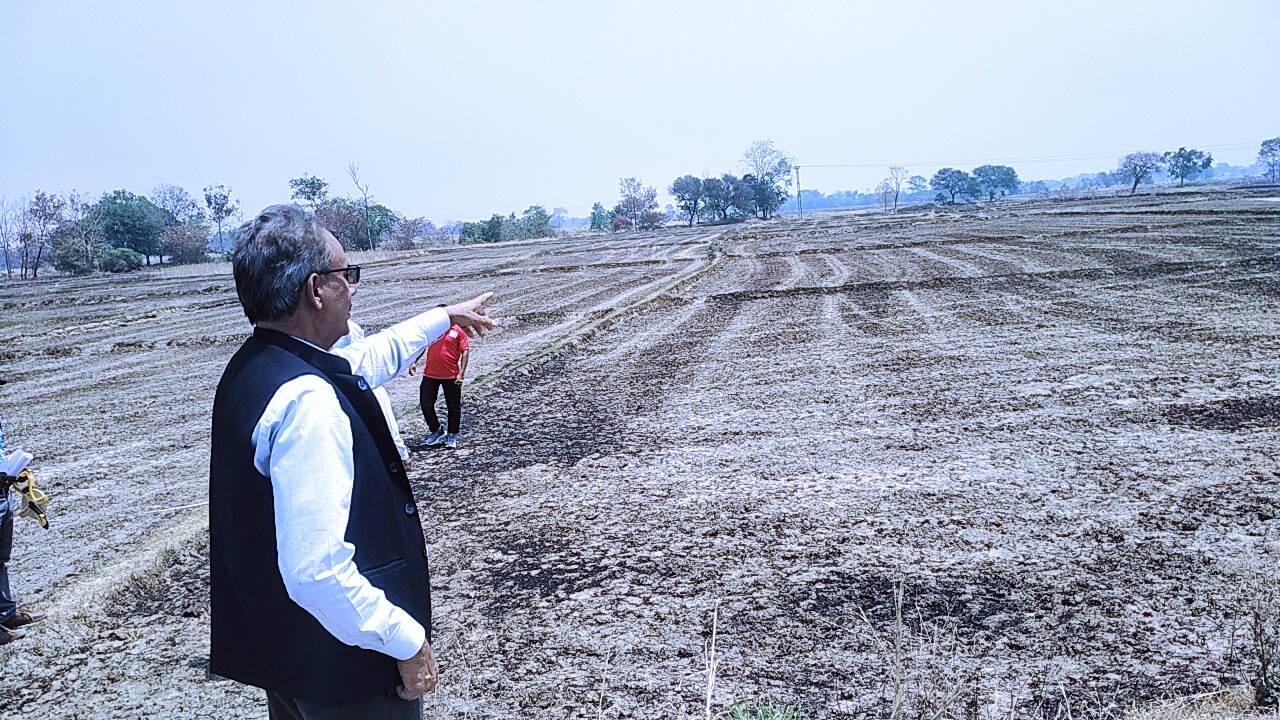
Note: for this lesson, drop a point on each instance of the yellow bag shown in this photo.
(34, 500)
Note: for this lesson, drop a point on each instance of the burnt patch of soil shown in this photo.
(1228, 415)
(176, 584)
(539, 568)
(979, 603)
(1229, 503)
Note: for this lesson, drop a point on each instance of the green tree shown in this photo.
(766, 196)
(1187, 164)
(727, 197)
(687, 191)
(953, 182)
(471, 233)
(601, 219)
(133, 222)
(379, 220)
(715, 200)
(117, 260)
(1269, 155)
(1138, 166)
(492, 230)
(536, 223)
(996, 180)
(309, 189)
(221, 207)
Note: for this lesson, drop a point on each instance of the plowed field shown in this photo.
(1053, 424)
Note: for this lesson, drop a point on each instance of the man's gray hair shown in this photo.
(273, 255)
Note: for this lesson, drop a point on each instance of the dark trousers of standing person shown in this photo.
(7, 604)
(427, 393)
(388, 707)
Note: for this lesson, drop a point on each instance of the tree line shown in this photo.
(361, 222)
(116, 232)
(992, 182)
(761, 190)
(121, 231)
(534, 222)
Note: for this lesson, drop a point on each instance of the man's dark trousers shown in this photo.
(382, 707)
(7, 605)
(427, 393)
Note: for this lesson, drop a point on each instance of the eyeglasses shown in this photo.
(350, 272)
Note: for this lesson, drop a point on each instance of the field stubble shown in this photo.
(1054, 426)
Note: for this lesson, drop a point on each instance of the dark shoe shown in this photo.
(435, 439)
(7, 636)
(23, 617)
(451, 441)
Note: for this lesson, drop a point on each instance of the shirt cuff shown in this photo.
(407, 637)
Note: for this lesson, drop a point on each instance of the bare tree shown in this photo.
(46, 214)
(1138, 166)
(83, 228)
(353, 171)
(186, 235)
(406, 232)
(885, 192)
(175, 201)
(767, 162)
(897, 178)
(8, 233)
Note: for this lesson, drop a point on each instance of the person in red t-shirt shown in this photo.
(446, 367)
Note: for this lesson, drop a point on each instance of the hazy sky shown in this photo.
(458, 110)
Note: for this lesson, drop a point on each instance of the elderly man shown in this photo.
(319, 589)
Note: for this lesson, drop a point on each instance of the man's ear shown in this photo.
(311, 292)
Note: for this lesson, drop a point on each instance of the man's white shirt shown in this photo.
(303, 444)
(355, 334)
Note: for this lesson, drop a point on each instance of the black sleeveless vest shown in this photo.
(259, 636)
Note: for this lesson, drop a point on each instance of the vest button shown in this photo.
(362, 384)
(393, 467)
(409, 509)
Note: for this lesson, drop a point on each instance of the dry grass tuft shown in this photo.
(1231, 704)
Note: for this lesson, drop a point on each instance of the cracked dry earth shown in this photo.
(1052, 424)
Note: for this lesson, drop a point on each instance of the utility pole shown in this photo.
(799, 202)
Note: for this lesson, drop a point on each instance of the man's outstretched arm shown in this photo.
(384, 355)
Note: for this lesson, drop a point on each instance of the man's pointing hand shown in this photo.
(471, 315)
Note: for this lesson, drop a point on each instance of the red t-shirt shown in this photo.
(443, 354)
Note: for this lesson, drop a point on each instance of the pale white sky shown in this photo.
(458, 110)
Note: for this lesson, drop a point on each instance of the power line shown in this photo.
(1025, 159)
